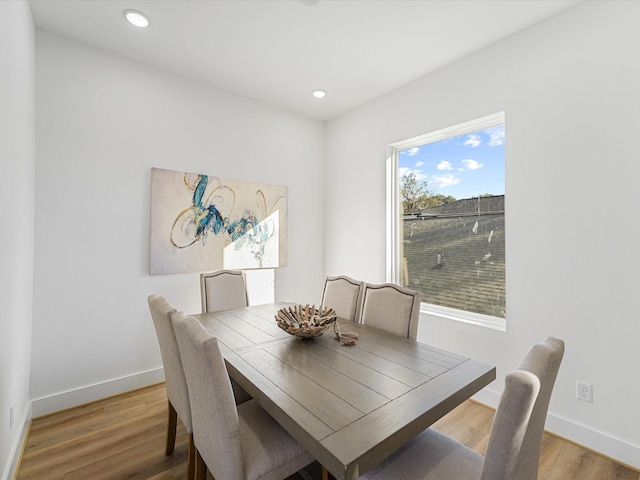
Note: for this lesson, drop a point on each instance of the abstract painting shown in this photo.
(200, 223)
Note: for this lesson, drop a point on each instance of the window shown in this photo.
(446, 232)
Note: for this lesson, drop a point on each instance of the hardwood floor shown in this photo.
(559, 459)
(123, 438)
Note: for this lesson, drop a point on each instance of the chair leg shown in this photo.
(191, 462)
(172, 425)
(201, 467)
(326, 475)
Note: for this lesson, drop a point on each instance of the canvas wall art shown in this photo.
(201, 223)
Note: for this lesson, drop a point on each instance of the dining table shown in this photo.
(349, 406)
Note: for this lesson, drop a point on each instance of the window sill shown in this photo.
(486, 321)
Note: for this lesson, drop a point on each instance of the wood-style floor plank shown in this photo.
(123, 438)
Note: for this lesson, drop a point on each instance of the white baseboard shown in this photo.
(616, 449)
(89, 393)
(488, 397)
(11, 468)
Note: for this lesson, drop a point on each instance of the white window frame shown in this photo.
(394, 218)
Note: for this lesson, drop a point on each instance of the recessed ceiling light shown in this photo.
(319, 93)
(136, 18)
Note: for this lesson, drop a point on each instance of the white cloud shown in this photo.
(472, 164)
(402, 171)
(447, 180)
(472, 141)
(444, 165)
(496, 138)
(413, 151)
(419, 164)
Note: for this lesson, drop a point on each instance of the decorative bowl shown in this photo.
(305, 321)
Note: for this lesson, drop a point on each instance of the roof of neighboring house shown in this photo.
(455, 255)
(467, 206)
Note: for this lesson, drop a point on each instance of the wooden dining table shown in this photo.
(349, 406)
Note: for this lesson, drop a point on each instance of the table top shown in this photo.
(349, 406)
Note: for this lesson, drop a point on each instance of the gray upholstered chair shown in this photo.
(513, 450)
(235, 442)
(176, 383)
(223, 290)
(343, 295)
(392, 308)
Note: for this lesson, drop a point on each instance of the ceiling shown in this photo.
(278, 51)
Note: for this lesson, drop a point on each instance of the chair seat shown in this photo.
(233, 442)
(513, 448)
(270, 453)
(431, 455)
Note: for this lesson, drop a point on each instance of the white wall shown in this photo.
(102, 122)
(569, 87)
(17, 153)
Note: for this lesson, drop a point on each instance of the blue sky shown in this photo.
(463, 167)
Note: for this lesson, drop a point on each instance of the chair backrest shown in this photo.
(216, 428)
(223, 290)
(513, 450)
(176, 383)
(343, 294)
(392, 308)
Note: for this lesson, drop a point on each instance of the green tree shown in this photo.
(415, 195)
(440, 199)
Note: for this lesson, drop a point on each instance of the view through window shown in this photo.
(450, 214)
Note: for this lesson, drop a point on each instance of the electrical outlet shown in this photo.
(584, 392)
(11, 416)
